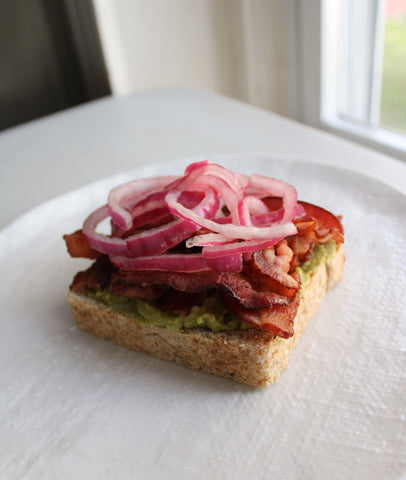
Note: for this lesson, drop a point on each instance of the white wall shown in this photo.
(235, 47)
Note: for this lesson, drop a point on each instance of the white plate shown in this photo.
(74, 406)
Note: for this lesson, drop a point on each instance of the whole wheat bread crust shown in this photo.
(251, 356)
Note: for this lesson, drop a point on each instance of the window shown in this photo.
(354, 69)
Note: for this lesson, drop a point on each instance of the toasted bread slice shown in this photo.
(253, 357)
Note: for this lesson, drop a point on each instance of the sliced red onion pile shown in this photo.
(221, 212)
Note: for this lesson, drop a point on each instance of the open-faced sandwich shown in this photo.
(213, 270)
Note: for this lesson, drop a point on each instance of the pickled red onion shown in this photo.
(250, 205)
(122, 197)
(231, 209)
(102, 243)
(231, 231)
(173, 262)
(276, 216)
(160, 239)
(207, 239)
(266, 186)
(190, 262)
(215, 251)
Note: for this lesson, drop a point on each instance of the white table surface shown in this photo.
(53, 155)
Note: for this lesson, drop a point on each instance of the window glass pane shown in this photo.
(371, 73)
(393, 93)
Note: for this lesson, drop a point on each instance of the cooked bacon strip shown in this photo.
(270, 267)
(97, 276)
(239, 286)
(129, 290)
(78, 247)
(185, 282)
(302, 247)
(278, 319)
(179, 303)
(243, 290)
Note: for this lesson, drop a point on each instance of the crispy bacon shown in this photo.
(317, 226)
(185, 282)
(240, 287)
(270, 270)
(302, 247)
(129, 290)
(78, 247)
(179, 303)
(246, 294)
(278, 319)
(97, 276)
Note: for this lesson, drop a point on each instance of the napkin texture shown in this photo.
(75, 406)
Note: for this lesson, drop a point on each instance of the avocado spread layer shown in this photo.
(211, 314)
(320, 254)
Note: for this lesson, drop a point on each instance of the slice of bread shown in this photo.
(251, 356)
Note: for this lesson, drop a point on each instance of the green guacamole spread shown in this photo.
(320, 254)
(211, 314)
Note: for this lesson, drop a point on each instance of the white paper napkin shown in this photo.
(74, 406)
